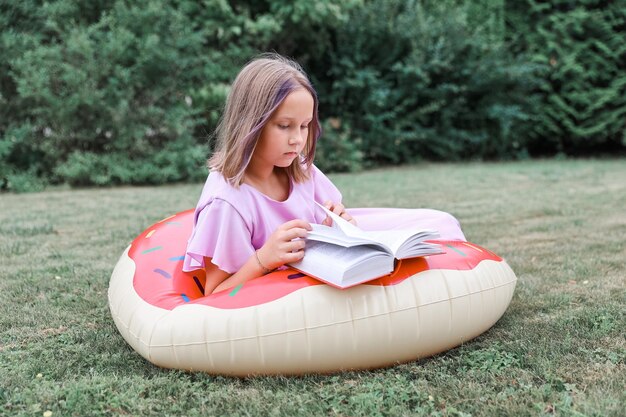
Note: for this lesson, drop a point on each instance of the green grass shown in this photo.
(559, 349)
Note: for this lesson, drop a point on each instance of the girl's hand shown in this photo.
(340, 210)
(283, 246)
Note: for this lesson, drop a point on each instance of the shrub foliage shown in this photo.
(116, 92)
(582, 99)
(419, 82)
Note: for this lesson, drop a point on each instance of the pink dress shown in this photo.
(231, 223)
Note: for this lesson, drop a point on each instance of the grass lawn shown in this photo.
(560, 348)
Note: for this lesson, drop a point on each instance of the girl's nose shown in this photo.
(297, 138)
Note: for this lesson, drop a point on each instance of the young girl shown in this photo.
(261, 193)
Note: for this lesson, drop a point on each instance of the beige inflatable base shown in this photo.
(317, 329)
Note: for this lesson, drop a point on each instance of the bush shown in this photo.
(338, 150)
(127, 93)
(418, 82)
(117, 88)
(22, 182)
(177, 161)
(582, 103)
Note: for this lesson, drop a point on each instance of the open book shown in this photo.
(343, 255)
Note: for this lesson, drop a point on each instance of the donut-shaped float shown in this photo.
(288, 323)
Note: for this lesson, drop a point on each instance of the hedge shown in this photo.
(582, 50)
(116, 92)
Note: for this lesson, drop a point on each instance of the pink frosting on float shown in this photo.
(158, 254)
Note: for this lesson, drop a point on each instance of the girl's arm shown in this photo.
(285, 245)
(218, 280)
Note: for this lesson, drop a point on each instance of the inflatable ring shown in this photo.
(288, 323)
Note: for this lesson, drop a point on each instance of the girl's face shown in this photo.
(285, 134)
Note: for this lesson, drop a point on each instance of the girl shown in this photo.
(260, 196)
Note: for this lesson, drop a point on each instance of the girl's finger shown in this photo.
(294, 245)
(297, 223)
(339, 209)
(293, 256)
(349, 218)
(296, 232)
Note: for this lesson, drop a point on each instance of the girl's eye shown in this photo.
(283, 126)
(304, 127)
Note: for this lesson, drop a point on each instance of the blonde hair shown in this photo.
(260, 87)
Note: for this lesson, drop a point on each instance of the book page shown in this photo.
(405, 243)
(345, 226)
(335, 236)
(401, 244)
(340, 255)
(331, 262)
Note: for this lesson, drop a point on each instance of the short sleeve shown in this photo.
(324, 189)
(220, 233)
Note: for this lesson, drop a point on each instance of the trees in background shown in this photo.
(116, 92)
(411, 80)
(581, 47)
